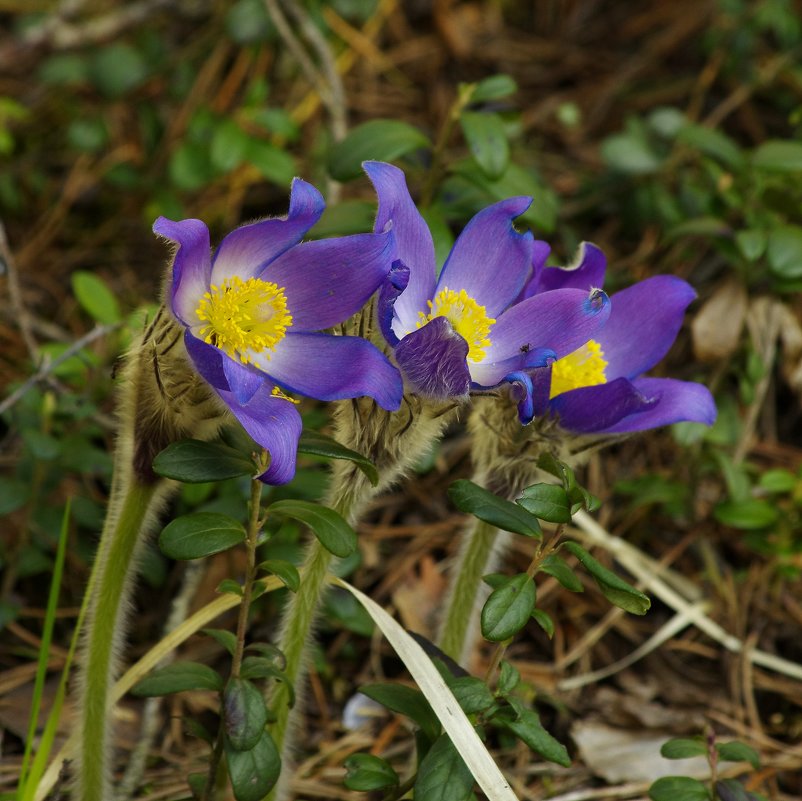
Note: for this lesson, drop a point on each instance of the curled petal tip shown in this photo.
(597, 301)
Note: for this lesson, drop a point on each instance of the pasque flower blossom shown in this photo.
(253, 313)
(465, 330)
(600, 387)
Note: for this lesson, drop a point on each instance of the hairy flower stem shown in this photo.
(161, 399)
(394, 442)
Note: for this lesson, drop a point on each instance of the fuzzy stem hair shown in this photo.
(160, 400)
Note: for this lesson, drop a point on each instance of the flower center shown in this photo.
(582, 368)
(244, 316)
(468, 318)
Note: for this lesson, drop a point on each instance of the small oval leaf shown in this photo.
(244, 714)
(484, 132)
(475, 500)
(508, 608)
(254, 772)
(368, 772)
(95, 297)
(196, 462)
(316, 444)
(330, 528)
(178, 677)
(548, 502)
(200, 534)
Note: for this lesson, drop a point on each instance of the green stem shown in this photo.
(116, 554)
(471, 566)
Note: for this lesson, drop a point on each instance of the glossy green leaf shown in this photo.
(548, 502)
(785, 251)
(405, 701)
(738, 752)
(683, 748)
(751, 243)
(778, 155)
(377, 140)
(329, 527)
(475, 500)
(630, 154)
(260, 667)
(443, 774)
(178, 677)
(368, 772)
(484, 132)
(225, 638)
(678, 788)
(748, 515)
(196, 462)
(314, 443)
(558, 568)
(494, 88)
(95, 297)
(244, 714)
(230, 586)
(200, 534)
(614, 589)
(544, 620)
(526, 726)
(472, 693)
(254, 772)
(508, 608)
(285, 571)
(509, 678)
(712, 143)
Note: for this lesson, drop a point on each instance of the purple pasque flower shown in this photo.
(465, 330)
(253, 312)
(600, 387)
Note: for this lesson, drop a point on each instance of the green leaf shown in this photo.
(88, 134)
(558, 568)
(226, 638)
(178, 677)
(443, 774)
(189, 167)
(260, 667)
(785, 251)
(543, 619)
(778, 480)
(330, 528)
(14, 494)
(285, 571)
(341, 607)
(509, 678)
(379, 140)
(273, 163)
(253, 773)
(494, 88)
(630, 154)
(475, 500)
(314, 443)
(200, 534)
(778, 155)
(347, 217)
(548, 502)
(683, 748)
(713, 143)
(96, 299)
(405, 701)
(229, 586)
(484, 132)
(472, 694)
(526, 726)
(117, 69)
(508, 608)
(195, 462)
(229, 145)
(738, 752)
(748, 515)
(678, 788)
(247, 21)
(751, 243)
(367, 772)
(614, 589)
(244, 714)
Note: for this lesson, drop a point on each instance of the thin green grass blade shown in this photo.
(44, 651)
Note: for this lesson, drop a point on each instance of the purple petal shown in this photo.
(492, 374)
(191, 265)
(332, 368)
(433, 360)
(248, 249)
(561, 320)
(243, 381)
(672, 402)
(328, 280)
(208, 361)
(597, 408)
(414, 245)
(396, 283)
(275, 424)
(490, 260)
(586, 272)
(531, 389)
(644, 321)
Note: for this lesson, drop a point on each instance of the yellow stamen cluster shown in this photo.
(582, 368)
(469, 319)
(277, 393)
(243, 316)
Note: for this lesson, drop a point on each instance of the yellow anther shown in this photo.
(468, 318)
(582, 368)
(243, 316)
(277, 393)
